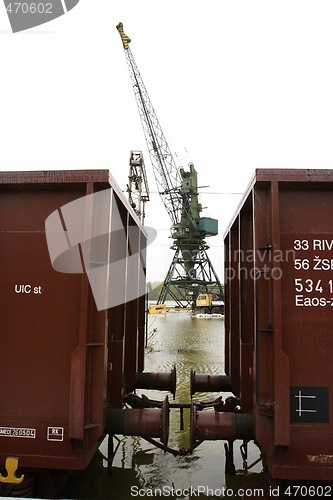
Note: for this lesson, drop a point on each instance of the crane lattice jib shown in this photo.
(167, 175)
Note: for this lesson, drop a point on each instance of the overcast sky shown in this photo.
(237, 85)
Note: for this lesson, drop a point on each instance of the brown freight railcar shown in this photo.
(72, 317)
(279, 318)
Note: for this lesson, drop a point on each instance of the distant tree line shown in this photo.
(154, 288)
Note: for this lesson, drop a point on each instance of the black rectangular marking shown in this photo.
(309, 405)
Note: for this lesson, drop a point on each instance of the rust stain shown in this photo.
(320, 458)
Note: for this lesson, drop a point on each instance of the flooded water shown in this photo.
(144, 471)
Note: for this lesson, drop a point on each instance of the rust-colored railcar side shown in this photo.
(63, 358)
(279, 318)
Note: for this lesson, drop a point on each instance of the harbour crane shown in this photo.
(191, 273)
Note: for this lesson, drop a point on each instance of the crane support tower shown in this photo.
(191, 271)
(137, 187)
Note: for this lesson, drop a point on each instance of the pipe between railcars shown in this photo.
(205, 382)
(228, 426)
(145, 422)
(161, 381)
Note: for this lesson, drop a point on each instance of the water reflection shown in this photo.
(189, 343)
